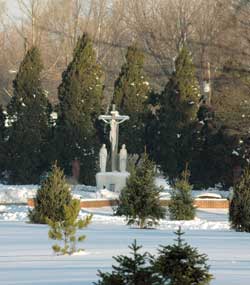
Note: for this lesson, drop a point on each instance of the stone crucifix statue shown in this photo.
(114, 120)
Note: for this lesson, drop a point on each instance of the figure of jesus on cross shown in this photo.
(114, 120)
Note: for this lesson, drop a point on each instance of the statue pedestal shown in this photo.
(114, 181)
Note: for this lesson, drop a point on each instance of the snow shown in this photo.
(16, 194)
(208, 195)
(27, 258)
(235, 152)
(80, 253)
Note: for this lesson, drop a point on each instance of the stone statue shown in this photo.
(113, 133)
(123, 158)
(103, 158)
(114, 120)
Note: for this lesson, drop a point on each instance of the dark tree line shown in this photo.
(175, 126)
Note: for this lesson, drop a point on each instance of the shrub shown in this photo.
(135, 270)
(239, 211)
(181, 264)
(51, 198)
(181, 205)
(140, 199)
(177, 264)
(66, 230)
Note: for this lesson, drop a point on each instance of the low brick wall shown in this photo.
(31, 202)
(199, 203)
(212, 203)
(98, 203)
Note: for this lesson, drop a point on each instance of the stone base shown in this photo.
(113, 181)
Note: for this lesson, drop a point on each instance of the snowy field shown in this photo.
(21, 193)
(26, 256)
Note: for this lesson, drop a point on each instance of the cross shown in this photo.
(114, 120)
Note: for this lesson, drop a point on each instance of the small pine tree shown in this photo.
(131, 92)
(181, 205)
(239, 211)
(181, 264)
(51, 198)
(140, 200)
(133, 270)
(66, 229)
(29, 113)
(80, 95)
(177, 115)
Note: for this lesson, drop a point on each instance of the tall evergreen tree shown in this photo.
(140, 199)
(80, 95)
(222, 143)
(239, 211)
(130, 95)
(29, 114)
(176, 116)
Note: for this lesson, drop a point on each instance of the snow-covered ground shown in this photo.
(26, 256)
(21, 193)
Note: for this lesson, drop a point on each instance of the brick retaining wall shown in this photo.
(199, 203)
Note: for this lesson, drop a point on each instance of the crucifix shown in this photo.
(114, 120)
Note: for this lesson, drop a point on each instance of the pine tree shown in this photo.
(223, 129)
(80, 95)
(217, 150)
(51, 198)
(2, 141)
(66, 229)
(181, 205)
(130, 94)
(239, 211)
(182, 264)
(231, 96)
(29, 114)
(135, 270)
(176, 116)
(139, 201)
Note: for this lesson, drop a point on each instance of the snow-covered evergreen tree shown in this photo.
(29, 115)
(139, 201)
(130, 94)
(176, 116)
(80, 95)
